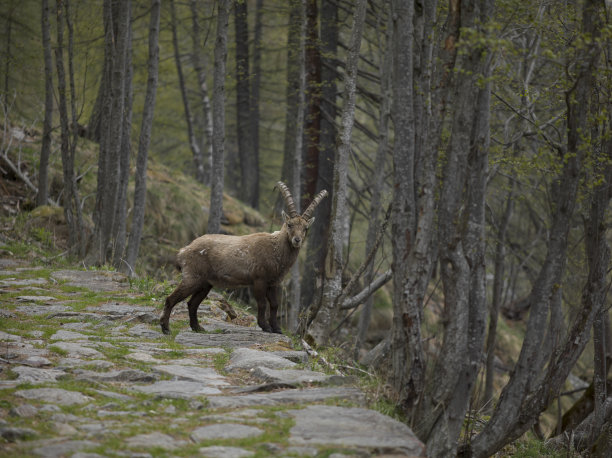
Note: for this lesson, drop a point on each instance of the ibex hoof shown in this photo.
(277, 330)
(197, 328)
(165, 329)
(265, 328)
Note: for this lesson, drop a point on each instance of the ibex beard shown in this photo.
(227, 261)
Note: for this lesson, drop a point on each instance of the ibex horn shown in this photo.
(284, 190)
(311, 208)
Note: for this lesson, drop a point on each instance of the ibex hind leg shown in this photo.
(193, 305)
(182, 291)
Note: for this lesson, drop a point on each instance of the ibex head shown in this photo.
(297, 226)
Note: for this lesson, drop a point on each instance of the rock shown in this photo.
(36, 361)
(22, 281)
(65, 418)
(178, 389)
(296, 356)
(145, 317)
(276, 398)
(64, 429)
(23, 411)
(80, 315)
(119, 310)
(10, 262)
(34, 309)
(155, 439)
(303, 451)
(271, 448)
(125, 375)
(45, 299)
(230, 336)
(50, 408)
(94, 280)
(224, 431)
(77, 326)
(68, 335)
(246, 358)
(96, 430)
(197, 374)
(54, 395)
(170, 410)
(144, 331)
(291, 376)
(6, 337)
(35, 375)
(113, 395)
(12, 434)
(61, 449)
(204, 351)
(353, 427)
(77, 362)
(224, 452)
(142, 357)
(77, 350)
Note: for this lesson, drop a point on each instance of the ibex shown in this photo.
(227, 261)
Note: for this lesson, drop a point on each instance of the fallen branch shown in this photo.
(313, 353)
(18, 172)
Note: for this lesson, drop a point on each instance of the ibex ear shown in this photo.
(310, 221)
(284, 215)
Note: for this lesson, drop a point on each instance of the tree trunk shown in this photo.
(527, 393)
(294, 50)
(255, 95)
(316, 249)
(80, 239)
(461, 232)
(116, 25)
(417, 261)
(120, 229)
(45, 149)
(496, 301)
(216, 194)
(198, 65)
(406, 317)
(70, 194)
(198, 161)
(140, 178)
(9, 57)
(312, 130)
(295, 285)
(319, 329)
(385, 75)
(248, 159)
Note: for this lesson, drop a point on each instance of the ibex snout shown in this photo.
(296, 242)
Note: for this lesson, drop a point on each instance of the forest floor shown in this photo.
(85, 372)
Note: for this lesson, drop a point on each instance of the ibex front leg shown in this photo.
(183, 291)
(272, 295)
(259, 291)
(193, 305)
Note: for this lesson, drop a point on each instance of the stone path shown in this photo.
(85, 372)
